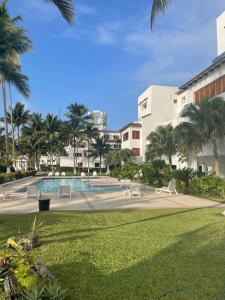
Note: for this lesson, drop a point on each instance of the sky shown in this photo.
(110, 56)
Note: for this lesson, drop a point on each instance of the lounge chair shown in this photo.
(57, 174)
(64, 190)
(171, 188)
(32, 192)
(63, 174)
(50, 174)
(133, 191)
(95, 173)
(82, 174)
(5, 195)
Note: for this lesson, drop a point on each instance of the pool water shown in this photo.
(76, 185)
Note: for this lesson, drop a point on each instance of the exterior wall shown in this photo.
(155, 107)
(99, 119)
(220, 33)
(132, 143)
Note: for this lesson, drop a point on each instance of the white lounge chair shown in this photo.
(32, 192)
(95, 173)
(82, 174)
(5, 195)
(133, 191)
(171, 188)
(63, 174)
(50, 174)
(57, 174)
(64, 190)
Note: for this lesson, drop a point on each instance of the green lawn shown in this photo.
(150, 254)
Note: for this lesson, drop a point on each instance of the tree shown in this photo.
(52, 131)
(125, 155)
(205, 125)
(13, 42)
(162, 142)
(90, 134)
(100, 148)
(157, 7)
(20, 117)
(78, 118)
(115, 158)
(33, 137)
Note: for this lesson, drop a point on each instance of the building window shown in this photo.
(136, 135)
(125, 136)
(97, 165)
(175, 101)
(136, 151)
(211, 90)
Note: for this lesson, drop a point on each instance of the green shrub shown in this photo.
(208, 186)
(185, 175)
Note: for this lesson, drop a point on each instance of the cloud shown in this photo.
(105, 36)
(83, 9)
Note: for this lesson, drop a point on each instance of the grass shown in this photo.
(144, 254)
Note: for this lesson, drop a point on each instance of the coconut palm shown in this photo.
(13, 42)
(205, 125)
(157, 7)
(162, 142)
(20, 117)
(90, 134)
(33, 137)
(125, 155)
(99, 149)
(52, 126)
(77, 115)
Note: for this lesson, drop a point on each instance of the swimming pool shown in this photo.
(51, 185)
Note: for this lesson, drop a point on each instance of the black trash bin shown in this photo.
(44, 203)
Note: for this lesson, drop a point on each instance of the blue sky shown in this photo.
(110, 56)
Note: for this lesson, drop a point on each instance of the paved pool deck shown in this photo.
(94, 201)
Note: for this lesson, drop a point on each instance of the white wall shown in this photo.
(221, 33)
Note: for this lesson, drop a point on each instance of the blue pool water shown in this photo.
(76, 185)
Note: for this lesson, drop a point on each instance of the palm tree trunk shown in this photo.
(74, 156)
(88, 158)
(216, 159)
(6, 122)
(100, 164)
(12, 125)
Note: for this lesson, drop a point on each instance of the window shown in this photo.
(211, 90)
(136, 135)
(125, 136)
(106, 137)
(136, 151)
(175, 101)
(97, 165)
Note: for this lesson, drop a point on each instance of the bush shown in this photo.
(7, 177)
(208, 186)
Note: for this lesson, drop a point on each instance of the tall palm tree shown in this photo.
(162, 142)
(125, 155)
(100, 148)
(20, 117)
(205, 125)
(77, 115)
(13, 42)
(52, 127)
(33, 136)
(90, 134)
(157, 7)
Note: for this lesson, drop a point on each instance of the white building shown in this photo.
(161, 105)
(99, 119)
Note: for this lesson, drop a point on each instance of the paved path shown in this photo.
(90, 201)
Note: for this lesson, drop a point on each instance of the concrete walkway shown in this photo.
(90, 201)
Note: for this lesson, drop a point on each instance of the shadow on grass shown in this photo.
(192, 268)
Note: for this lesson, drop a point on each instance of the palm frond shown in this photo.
(66, 8)
(157, 7)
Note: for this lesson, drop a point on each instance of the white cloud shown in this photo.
(82, 9)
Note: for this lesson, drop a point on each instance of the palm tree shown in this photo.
(205, 125)
(125, 155)
(162, 142)
(13, 42)
(90, 134)
(33, 136)
(78, 118)
(100, 148)
(66, 8)
(20, 117)
(52, 131)
(158, 6)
